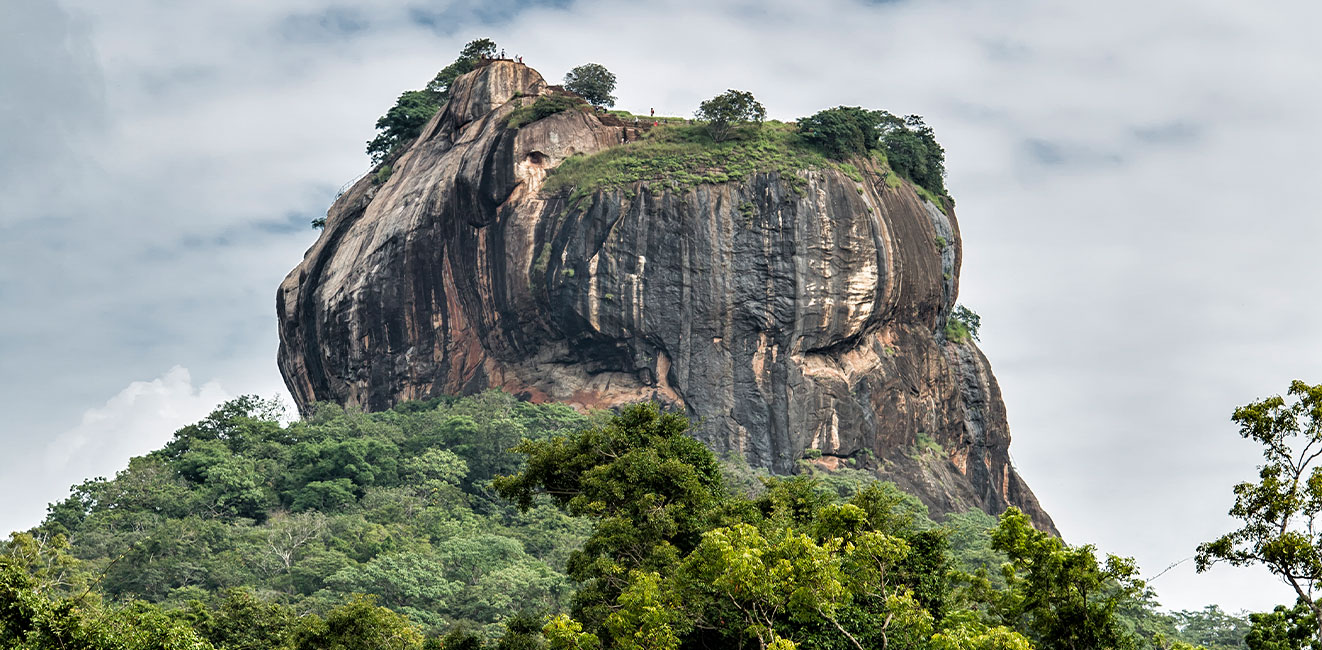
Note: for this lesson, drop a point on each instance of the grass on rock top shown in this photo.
(684, 156)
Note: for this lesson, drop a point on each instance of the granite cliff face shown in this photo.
(782, 316)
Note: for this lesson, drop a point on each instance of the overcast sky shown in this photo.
(1137, 187)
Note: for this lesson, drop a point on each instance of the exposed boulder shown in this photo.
(782, 314)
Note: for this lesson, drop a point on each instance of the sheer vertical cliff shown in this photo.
(782, 314)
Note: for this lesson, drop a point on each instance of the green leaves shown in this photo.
(395, 504)
(404, 121)
(962, 324)
(728, 111)
(842, 131)
(674, 561)
(1279, 512)
(645, 618)
(545, 106)
(909, 145)
(593, 82)
(1060, 596)
(359, 624)
(1284, 628)
(32, 620)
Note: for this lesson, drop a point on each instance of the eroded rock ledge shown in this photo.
(780, 316)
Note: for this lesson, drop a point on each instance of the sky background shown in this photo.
(1137, 187)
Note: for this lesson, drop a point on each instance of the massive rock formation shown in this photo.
(782, 316)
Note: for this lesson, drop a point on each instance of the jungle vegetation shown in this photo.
(487, 522)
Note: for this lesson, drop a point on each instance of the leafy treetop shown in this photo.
(1280, 511)
(244, 533)
(404, 121)
(729, 110)
(474, 51)
(909, 144)
(593, 82)
(962, 324)
(677, 561)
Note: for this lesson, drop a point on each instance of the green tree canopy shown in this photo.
(912, 151)
(1062, 597)
(677, 561)
(962, 324)
(843, 131)
(1280, 511)
(1284, 628)
(729, 110)
(474, 51)
(360, 624)
(909, 145)
(404, 121)
(593, 82)
(246, 533)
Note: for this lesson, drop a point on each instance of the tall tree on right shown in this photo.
(1280, 511)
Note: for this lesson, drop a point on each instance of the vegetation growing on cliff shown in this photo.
(962, 324)
(909, 145)
(725, 113)
(682, 156)
(404, 121)
(544, 106)
(243, 533)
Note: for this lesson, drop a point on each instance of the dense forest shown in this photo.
(486, 521)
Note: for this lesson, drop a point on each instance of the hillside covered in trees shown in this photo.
(419, 527)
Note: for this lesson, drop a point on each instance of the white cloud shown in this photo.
(141, 418)
(138, 419)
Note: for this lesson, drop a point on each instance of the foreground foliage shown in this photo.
(1280, 511)
(678, 561)
(393, 504)
(349, 530)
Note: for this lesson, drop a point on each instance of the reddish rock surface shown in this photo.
(812, 320)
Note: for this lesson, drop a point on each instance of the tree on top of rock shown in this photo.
(593, 82)
(404, 121)
(473, 52)
(728, 111)
(909, 143)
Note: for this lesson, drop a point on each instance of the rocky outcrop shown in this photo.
(782, 316)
